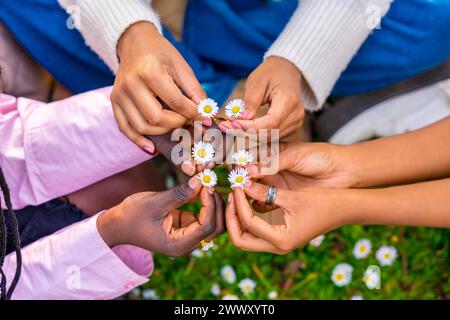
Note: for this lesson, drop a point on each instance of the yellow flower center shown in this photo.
(242, 159)
(239, 179)
(339, 277)
(207, 109)
(362, 249)
(235, 109)
(247, 287)
(387, 256)
(206, 179)
(201, 153)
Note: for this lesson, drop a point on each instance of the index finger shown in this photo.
(165, 88)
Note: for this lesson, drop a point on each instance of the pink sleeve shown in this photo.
(75, 263)
(50, 150)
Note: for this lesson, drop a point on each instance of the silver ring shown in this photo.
(271, 196)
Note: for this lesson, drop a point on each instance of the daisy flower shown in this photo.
(203, 152)
(372, 278)
(215, 289)
(234, 108)
(242, 158)
(362, 249)
(357, 297)
(238, 177)
(272, 295)
(247, 286)
(208, 178)
(150, 294)
(316, 242)
(386, 255)
(230, 297)
(197, 253)
(208, 108)
(228, 274)
(342, 274)
(207, 245)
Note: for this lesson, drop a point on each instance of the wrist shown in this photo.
(351, 165)
(133, 35)
(109, 226)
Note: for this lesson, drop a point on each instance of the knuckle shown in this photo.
(285, 246)
(156, 119)
(181, 193)
(142, 128)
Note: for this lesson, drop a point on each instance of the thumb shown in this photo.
(260, 192)
(178, 196)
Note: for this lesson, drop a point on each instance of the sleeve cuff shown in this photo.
(321, 39)
(102, 23)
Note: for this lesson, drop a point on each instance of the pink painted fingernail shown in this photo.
(245, 114)
(248, 184)
(236, 125)
(149, 150)
(207, 122)
(194, 183)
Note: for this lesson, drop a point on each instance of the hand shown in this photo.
(278, 82)
(151, 67)
(309, 165)
(307, 214)
(151, 220)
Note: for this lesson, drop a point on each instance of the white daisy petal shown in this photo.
(203, 152)
(342, 274)
(362, 249)
(372, 278)
(228, 274)
(242, 158)
(208, 108)
(272, 295)
(316, 242)
(247, 286)
(357, 297)
(386, 255)
(208, 178)
(215, 289)
(230, 297)
(234, 108)
(207, 245)
(238, 177)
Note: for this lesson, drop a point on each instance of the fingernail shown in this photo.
(236, 125)
(222, 128)
(149, 150)
(188, 168)
(248, 184)
(211, 190)
(207, 122)
(194, 183)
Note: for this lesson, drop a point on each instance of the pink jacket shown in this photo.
(50, 150)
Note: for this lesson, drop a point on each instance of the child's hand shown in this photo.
(307, 214)
(309, 165)
(151, 67)
(278, 82)
(152, 221)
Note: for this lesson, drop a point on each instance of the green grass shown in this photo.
(422, 270)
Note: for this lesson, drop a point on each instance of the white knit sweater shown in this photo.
(320, 39)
